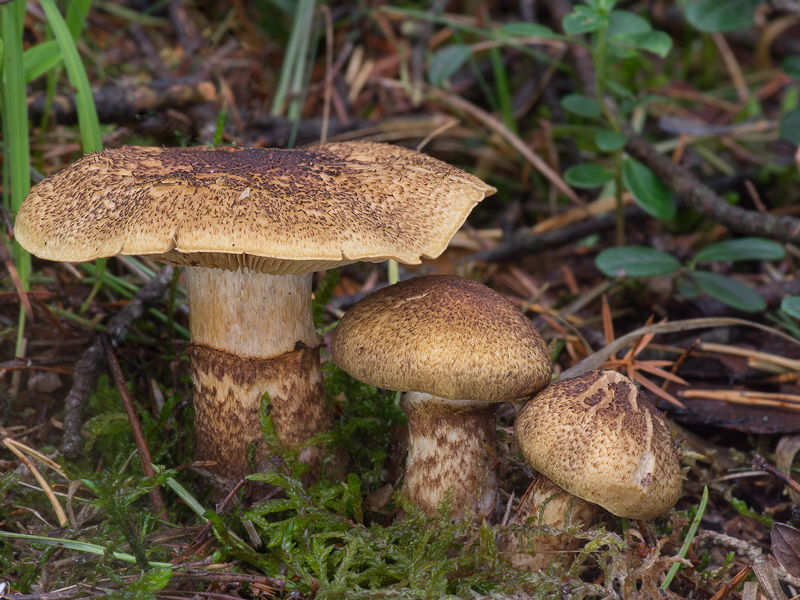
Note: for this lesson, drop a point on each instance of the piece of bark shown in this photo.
(87, 369)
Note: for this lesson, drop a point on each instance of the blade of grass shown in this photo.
(128, 290)
(91, 139)
(16, 145)
(687, 542)
(48, 491)
(76, 545)
(84, 101)
(294, 59)
(298, 76)
(196, 507)
(503, 90)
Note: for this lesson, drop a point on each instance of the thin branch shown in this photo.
(144, 452)
(702, 199)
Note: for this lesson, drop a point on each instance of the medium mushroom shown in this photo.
(457, 348)
(251, 226)
(598, 437)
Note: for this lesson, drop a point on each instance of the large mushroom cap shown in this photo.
(272, 211)
(600, 438)
(443, 335)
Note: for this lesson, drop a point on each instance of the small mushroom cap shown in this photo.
(601, 439)
(442, 335)
(272, 211)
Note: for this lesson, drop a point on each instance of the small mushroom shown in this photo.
(457, 348)
(251, 226)
(599, 438)
(545, 504)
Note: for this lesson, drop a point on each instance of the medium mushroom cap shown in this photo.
(272, 211)
(600, 438)
(443, 335)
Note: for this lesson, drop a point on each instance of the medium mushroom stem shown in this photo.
(253, 333)
(545, 504)
(450, 445)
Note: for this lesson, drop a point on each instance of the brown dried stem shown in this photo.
(760, 464)
(144, 452)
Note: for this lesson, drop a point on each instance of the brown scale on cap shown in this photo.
(600, 438)
(455, 346)
(322, 206)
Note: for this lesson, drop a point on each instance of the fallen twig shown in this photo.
(702, 199)
(527, 244)
(123, 104)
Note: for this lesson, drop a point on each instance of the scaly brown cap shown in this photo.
(443, 335)
(601, 439)
(272, 211)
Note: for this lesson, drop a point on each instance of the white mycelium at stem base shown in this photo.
(253, 333)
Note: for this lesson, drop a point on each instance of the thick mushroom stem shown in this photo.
(253, 333)
(451, 445)
(545, 504)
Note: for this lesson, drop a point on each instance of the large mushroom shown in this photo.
(457, 348)
(600, 439)
(251, 226)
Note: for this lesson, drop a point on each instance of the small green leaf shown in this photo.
(40, 58)
(626, 22)
(581, 105)
(584, 19)
(636, 261)
(657, 42)
(588, 176)
(791, 66)
(714, 16)
(91, 139)
(730, 291)
(790, 127)
(144, 587)
(648, 191)
(741, 507)
(750, 248)
(608, 141)
(528, 30)
(687, 289)
(791, 306)
(447, 61)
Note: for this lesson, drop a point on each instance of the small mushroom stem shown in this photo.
(451, 445)
(253, 333)
(545, 504)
